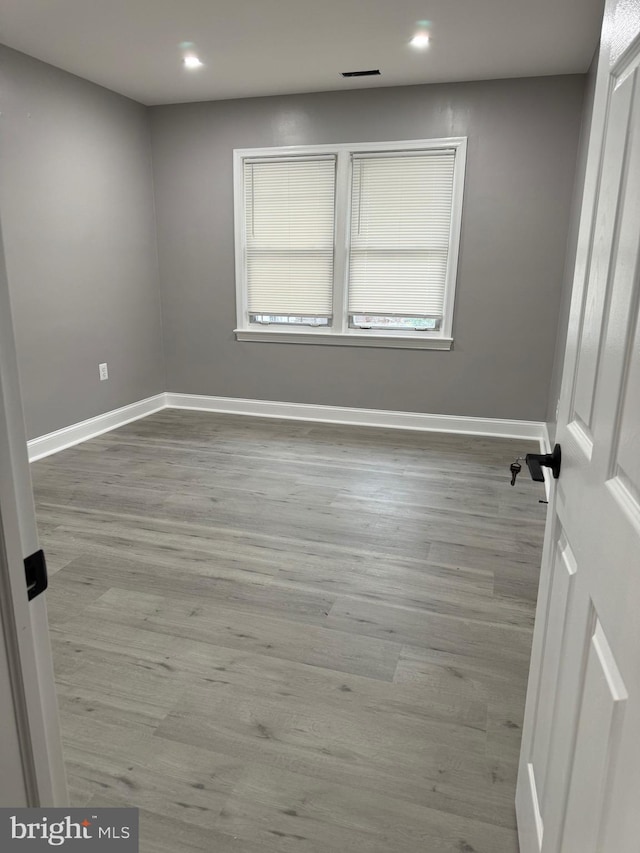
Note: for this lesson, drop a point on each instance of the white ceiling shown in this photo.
(267, 47)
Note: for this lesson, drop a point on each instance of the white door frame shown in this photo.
(23, 623)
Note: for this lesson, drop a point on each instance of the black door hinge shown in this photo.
(35, 569)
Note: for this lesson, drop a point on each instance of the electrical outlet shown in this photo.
(104, 371)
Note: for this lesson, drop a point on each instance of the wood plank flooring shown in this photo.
(282, 636)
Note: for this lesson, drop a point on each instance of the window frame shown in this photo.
(339, 333)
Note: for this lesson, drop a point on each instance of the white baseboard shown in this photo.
(545, 440)
(53, 442)
(45, 445)
(526, 430)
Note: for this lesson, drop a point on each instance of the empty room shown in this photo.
(320, 426)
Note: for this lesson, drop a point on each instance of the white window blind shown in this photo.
(401, 208)
(289, 235)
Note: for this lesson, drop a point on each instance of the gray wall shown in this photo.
(77, 207)
(572, 245)
(523, 136)
(76, 201)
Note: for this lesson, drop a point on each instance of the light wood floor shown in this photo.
(281, 636)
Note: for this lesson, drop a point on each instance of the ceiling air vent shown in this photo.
(375, 72)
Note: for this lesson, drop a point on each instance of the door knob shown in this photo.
(537, 461)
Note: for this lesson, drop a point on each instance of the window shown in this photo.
(349, 244)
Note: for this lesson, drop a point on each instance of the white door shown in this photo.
(31, 765)
(579, 776)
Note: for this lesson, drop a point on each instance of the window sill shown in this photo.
(358, 339)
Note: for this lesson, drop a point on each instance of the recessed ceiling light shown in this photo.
(420, 41)
(192, 62)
